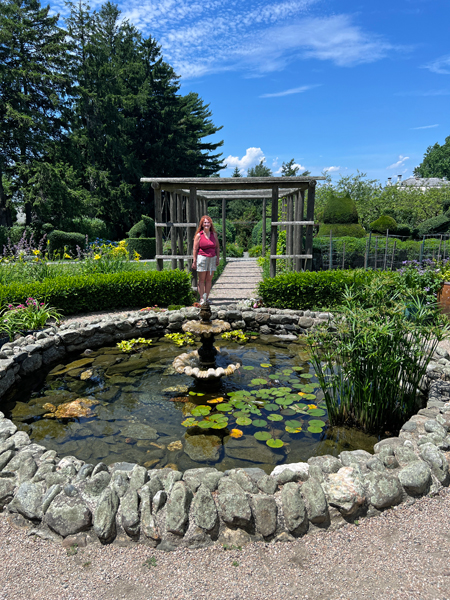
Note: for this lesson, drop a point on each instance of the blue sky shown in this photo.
(335, 84)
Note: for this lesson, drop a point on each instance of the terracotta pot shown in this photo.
(444, 298)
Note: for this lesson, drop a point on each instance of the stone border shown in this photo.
(66, 499)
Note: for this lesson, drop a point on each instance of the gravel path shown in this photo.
(402, 554)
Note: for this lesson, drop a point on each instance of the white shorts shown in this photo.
(206, 263)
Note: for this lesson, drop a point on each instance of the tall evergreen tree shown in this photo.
(260, 170)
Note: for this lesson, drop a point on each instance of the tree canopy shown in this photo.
(436, 161)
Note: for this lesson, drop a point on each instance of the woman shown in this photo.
(206, 256)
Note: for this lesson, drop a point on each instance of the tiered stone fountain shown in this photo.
(201, 364)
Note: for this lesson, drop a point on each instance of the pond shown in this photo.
(108, 406)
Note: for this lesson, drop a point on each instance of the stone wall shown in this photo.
(66, 499)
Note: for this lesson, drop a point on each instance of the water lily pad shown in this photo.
(316, 423)
(315, 429)
(226, 407)
(297, 386)
(243, 421)
(255, 410)
(259, 422)
(205, 424)
(220, 425)
(248, 368)
(258, 381)
(300, 407)
(287, 371)
(262, 436)
(275, 417)
(287, 412)
(317, 412)
(189, 422)
(201, 411)
(293, 429)
(271, 406)
(218, 417)
(273, 376)
(306, 375)
(284, 401)
(239, 404)
(241, 413)
(297, 368)
(274, 443)
(293, 424)
(265, 365)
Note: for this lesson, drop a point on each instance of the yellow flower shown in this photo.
(97, 257)
(236, 433)
(136, 255)
(311, 406)
(36, 252)
(67, 255)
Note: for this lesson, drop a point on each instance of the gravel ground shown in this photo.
(402, 554)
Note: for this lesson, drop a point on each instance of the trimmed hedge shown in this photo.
(59, 240)
(309, 289)
(383, 224)
(438, 224)
(340, 209)
(354, 230)
(89, 293)
(145, 228)
(146, 247)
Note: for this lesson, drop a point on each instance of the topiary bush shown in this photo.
(340, 209)
(146, 247)
(383, 224)
(404, 230)
(93, 228)
(354, 230)
(88, 293)
(145, 228)
(438, 224)
(62, 240)
(257, 232)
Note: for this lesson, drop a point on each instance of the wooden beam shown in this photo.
(292, 222)
(274, 231)
(180, 231)
(192, 217)
(278, 256)
(309, 228)
(169, 224)
(224, 230)
(166, 257)
(173, 235)
(264, 219)
(158, 231)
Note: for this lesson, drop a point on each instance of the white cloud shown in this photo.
(399, 163)
(252, 157)
(298, 90)
(331, 169)
(441, 65)
(426, 126)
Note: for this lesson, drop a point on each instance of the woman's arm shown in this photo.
(195, 251)
(217, 249)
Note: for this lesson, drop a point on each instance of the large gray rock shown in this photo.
(177, 510)
(436, 461)
(234, 507)
(105, 515)
(415, 478)
(294, 510)
(383, 490)
(151, 488)
(345, 490)
(204, 510)
(5, 457)
(315, 501)
(208, 476)
(28, 500)
(327, 463)
(139, 431)
(94, 486)
(265, 511)
(433, 426)
(129, 509)
(267, 484)
(138, 478)
(27, 469)
(49, 496)
(6, 491)
(358, 457)
(148, 523)
(244, 480)
(68, 516)
(405, 455)
(203, 448)
(7, 427)
(248, 448)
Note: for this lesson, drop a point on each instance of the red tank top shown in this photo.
(207, 247)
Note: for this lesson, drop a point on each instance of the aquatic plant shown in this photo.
(237, 335)
(133, 345)
(181, 339)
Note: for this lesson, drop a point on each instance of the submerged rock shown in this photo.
(81, 407)
(202, 448)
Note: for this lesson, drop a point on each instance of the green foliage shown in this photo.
(78, 294)
(133, 345)
(354, 230)
(235, 251)
(255, 251)
(237, 335)
(384, 224)
(438, 224)
(61, 241)
(94, 228)
(370, 370)
(145, 247)
(404, 230)
(290, 169)
(181, 339)
(340, 210)
(28, 316)
(436, 161)
(257, 232)
(259, 170)
(145, 228)
(230, 231)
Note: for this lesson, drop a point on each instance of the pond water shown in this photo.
(136, 408)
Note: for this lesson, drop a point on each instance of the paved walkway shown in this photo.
(238, 281)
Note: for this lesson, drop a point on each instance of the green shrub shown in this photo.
(230, 231)
(340, 210)
(404, 230)
(93, 228)
(257, 232)
(3, 237)
(255, 251)
(79, 294)
(383, 224)
(438, 224)
(235, 251)
(309, 289)
(146, 247)
(342, 230)
(145, 228)
(59, 240)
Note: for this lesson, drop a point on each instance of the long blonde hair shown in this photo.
(200, 225)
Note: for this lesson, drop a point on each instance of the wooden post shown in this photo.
(393, 254)
(274, 231)
(295, 233)
(309, 228)
(179, 201)
(330, 252)
(158, 232)
(439, 251)
(192, 218)
(264, 211)
(422, 248)
(366, 257)
(376, 252)
(173, 230)
(289, 231)
(301, 214)
(224, 229)
(386, 250)
(343, 255)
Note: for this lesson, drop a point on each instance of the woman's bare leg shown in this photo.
(201, 283)
(208, 282)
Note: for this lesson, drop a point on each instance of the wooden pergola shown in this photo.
(186, 200)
